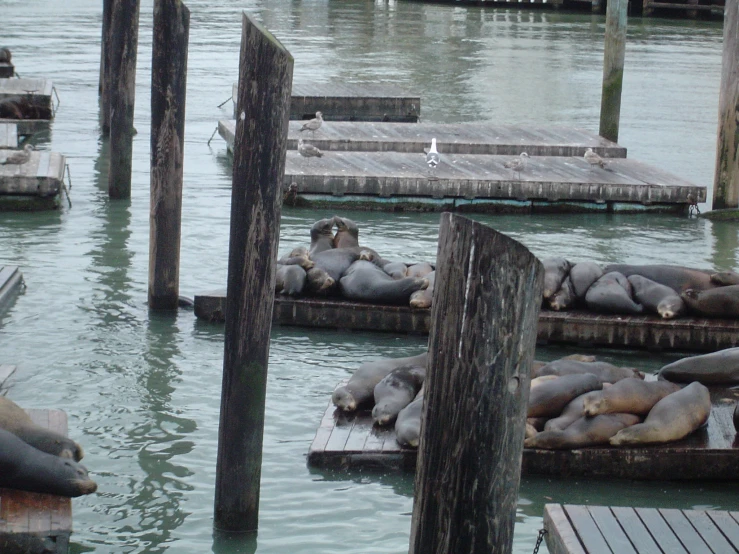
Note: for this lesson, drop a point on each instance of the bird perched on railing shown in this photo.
(308, 150)
(19, 158)
(432, 156)
(594, 159)
(518, 164)
(314, 124)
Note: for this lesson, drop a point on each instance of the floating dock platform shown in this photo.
(351, 441)
(7, 70)
(33, 95)
(27, 127)
(34, 522)
(11, 281)
(9, 135)
(573, 529)
(451, 138)
(36, 185)
(567, 327)
(348, 102)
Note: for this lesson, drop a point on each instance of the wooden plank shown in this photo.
(708, 530)
(683, 530)
(32, 95)
(586, 529)
(728, 526)
(609, 527)
(8, 135)
(561, 538)
(659, 529)
(28, 127)
(636, 531)
(340, 433)
(32, 178)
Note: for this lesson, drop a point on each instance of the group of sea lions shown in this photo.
(335, 264)
(666, 290)
(36, 459)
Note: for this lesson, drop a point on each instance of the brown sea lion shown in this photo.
(395, 391)
(612, 294)
(586, 431)
(321, 236)
(671, 419)
(396, 270)
(715, 368)
(318, 281)
(420, 269)
(365, 281)
(347, 233)
(408, 423)
(290, 279)
(423, 298)
(718, 302)
(564, 298)
(5, 55)
(555, 271)
(297, 256)
(570, 413)
(582, 275)
(548, 399)
(725, 278)
(676, 277)
(628, 396)
(606, 372)
(337, 260)
(656, 298)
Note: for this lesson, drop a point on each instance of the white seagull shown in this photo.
(518, 164)
(594, 159)
(432, 156)
(308, 150)
(314, 124)
(19, 158)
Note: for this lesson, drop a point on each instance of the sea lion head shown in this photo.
(420, 301)
(322, 228)
(594, 405)
(347, 232)
(366, 255)
(81, 484)
(671, 307)
(344, 400)
(319, 281)
(381, 416)
(725, 278)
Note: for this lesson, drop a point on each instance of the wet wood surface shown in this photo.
(27, 127)
(8, 135)
(40, 177)
(33, 92)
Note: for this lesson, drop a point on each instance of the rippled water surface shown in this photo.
(142, 390)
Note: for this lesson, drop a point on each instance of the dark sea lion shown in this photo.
(582, 275)
(395, 391)
(27, 468)
(537, 423)
(628, 396)
(606, 372)
(5, 55)
(718, 302)
(396, 270)
(337, 260)
(656, 298)
(715, 368)
(586, 431)
(676, 277)
(408, 423)
(319, 282)
(555, 271)
(14, 419)
(290, 279)
(419, 270)
(564, 298)
(361, 386)
(570, 413)
(321, 236)
(423, 298)
(671, 419)
(612, 294)
(725, 278)
(347, 233)
(365, 281)
(548, 399)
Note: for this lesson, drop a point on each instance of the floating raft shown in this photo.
(11, 280)
(451, 138)
(36, 185)
(347, 102)
(34, 94)
(8, 135)
(7, 70)
(350, 441)
(32, 521)
(570, 327)
(27, 127)
(572, 529)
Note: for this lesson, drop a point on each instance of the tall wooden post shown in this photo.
(104, 85)
(726, 180)
(265, 82)
(168, 79)
(124, 25)
(483, 334)
(613, 68)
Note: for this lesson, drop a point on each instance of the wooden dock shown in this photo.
(34, 93)
(350, 441)
(27, 127)
(36, 185)
(691, 8)
(570, 327)
(573, 529)
(7, 70)
(11, 280)
(451, 138)
(8, 135)
(348, 102)
(29, 521)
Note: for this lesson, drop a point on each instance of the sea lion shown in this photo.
(290, 279)
(671, 419)
(396, 270)
(395, 391)
(537, 423)
(420, 269)
(5, 55)
(318, 281)
(718, 302)
(628, 396)
(564, 298)
(655, 297)
(531, 431)
(297, 256)
(725, 278)
(321, 236)
(14, 419)
(347, 233)
(536, 381)
(361, 386)
(582, 275)
(548, 399)
(365, 281)
(676, 277)
(715, 368)
(337, 260)
(555, 271)
(612, 294)
(423, 298)
(27, 468)
(408, 423)
(570, 413)
(606, 372)
(586, 431)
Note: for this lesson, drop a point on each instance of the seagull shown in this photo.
(518, 164)
(314, 124)
(432, 156)
(308, 150)
(19, 158)
(594, 159)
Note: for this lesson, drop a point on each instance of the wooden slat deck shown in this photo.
(11, 280)
(36, 91)
(33, 185)
(8, 135)
(451, 138)
(350, 441)
(570, 327)
(32, 519)
(574, 529)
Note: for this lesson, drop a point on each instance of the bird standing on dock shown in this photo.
(432, 156)
(594, 159)
(19, 158)
(314, 124)
(308, 150)
(518, 164)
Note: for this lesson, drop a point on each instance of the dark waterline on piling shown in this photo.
(142, 390)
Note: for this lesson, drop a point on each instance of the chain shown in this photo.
(540, 538)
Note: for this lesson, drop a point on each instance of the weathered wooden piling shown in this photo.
(124, 29)
(486, 302)
(168, 80)
(265, 77)
(726, 180)
(613, 68)
(104, 85)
